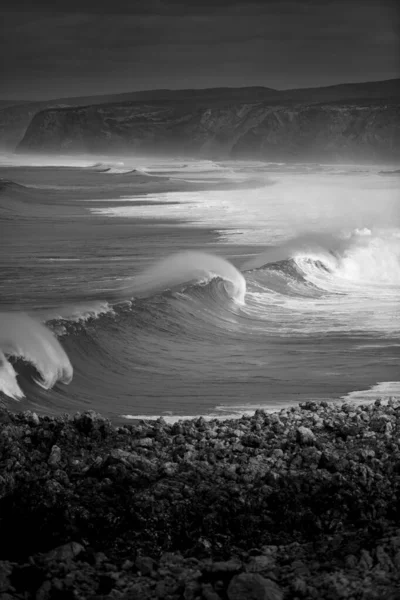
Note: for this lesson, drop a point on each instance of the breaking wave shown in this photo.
(362, 258)
(186, 268)
(23, 338)
(366, 262)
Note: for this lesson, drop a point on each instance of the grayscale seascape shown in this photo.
(200, 300)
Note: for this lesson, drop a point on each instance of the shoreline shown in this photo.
(383, 391)
(300, 503)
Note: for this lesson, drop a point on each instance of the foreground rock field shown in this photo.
(304, 503)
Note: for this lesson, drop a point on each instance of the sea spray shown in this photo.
(360, 256)
(313, 243)
(367, 260)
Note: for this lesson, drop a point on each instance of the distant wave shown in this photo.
(103, 167)
(8, 184)
(205, 165)
(115, 168)
(393, 172)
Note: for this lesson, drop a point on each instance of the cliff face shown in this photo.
(351, 122)
(14, 119)
(290, 131)
(325, 132)
(15, 116)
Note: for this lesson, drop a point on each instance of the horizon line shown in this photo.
(249, 87)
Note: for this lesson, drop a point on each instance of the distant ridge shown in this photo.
(391, 86)
(157, 95)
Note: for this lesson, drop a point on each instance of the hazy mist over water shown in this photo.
(181, 287)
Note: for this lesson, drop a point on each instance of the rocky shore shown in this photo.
(304, 503)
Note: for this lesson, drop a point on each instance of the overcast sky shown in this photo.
(52, 48)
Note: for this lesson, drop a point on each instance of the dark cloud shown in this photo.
(82, 48)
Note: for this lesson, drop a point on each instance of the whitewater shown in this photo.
(144, 287)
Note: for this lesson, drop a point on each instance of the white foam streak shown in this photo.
(220, 413)
(297, 202)
(383, 390)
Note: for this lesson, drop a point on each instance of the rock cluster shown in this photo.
(304, 503)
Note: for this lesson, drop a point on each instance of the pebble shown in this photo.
(250, 586)
(305, 436)
(55, 456)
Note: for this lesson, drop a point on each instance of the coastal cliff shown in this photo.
(16, 115)
(349, 122)
(261, 130)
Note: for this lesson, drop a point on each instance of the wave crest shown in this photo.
(185, 268)
(117, 168)
(21, 337)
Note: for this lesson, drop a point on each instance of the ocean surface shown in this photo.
(144, 287)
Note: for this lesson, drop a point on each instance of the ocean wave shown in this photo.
(143, 301)
(180, 272)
